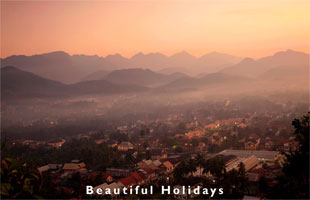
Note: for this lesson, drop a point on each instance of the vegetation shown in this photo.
(17, 180)
(294, 182)
(20, 178)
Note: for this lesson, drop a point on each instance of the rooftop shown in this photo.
(266, 155)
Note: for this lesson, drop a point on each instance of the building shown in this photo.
(125, 146)
(128, 181)
(116, 172)
(249, 163)
(144, 164)
(261, 155)
(168, 167)
(107, 177)
(56, 143)
(74, 167)
(150, 173)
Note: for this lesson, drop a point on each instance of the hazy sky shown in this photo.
(238, 27)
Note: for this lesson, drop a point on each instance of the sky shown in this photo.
(238, 27)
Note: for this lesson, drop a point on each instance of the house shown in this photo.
(107, 177)
(54, 166)
(174, 160)
(195, 133)
(168, 167)
(144, 164)
(117, 172)
(43, 168)
(144, 177)
(157, 163)
(242, 125)
(249, 163)
(261, 155)
(138, 177)
(128, 181)
(74, 167)
(212, 126)
(99, 141)
(228, 159)
(150, 173)
(102, 186)
(153, 166)
(111, 143)
(125, 146)
(56, 143)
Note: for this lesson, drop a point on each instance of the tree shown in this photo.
(199, 160)
(180, 171)
(242, 179)
(17, 180)
(217, 167)
(206, 167)
(191, 166)
(294, 183)
(183, 169)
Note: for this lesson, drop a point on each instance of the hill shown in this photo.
(139, 76)
(209, 80)
(254, 68)
(65, 68)
(16, 83)
(58, 65)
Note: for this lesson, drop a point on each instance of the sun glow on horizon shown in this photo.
(241, 28)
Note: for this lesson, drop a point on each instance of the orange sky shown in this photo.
(238, 27)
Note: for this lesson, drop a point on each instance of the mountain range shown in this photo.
(62, 67)
(283, 69)
(253, 68)
(19, 84)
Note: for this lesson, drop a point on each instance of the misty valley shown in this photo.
(112, 122)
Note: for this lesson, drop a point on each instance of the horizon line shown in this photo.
(140, 52)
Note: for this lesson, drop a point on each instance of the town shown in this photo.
(183, 148)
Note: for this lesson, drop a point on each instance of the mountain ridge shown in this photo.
(16, 83)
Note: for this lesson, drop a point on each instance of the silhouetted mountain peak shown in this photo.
(56, 53)
(84, 55)
(137, 55)
(183, 54)
(289, 52)
(117, 55)
(247, 60)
